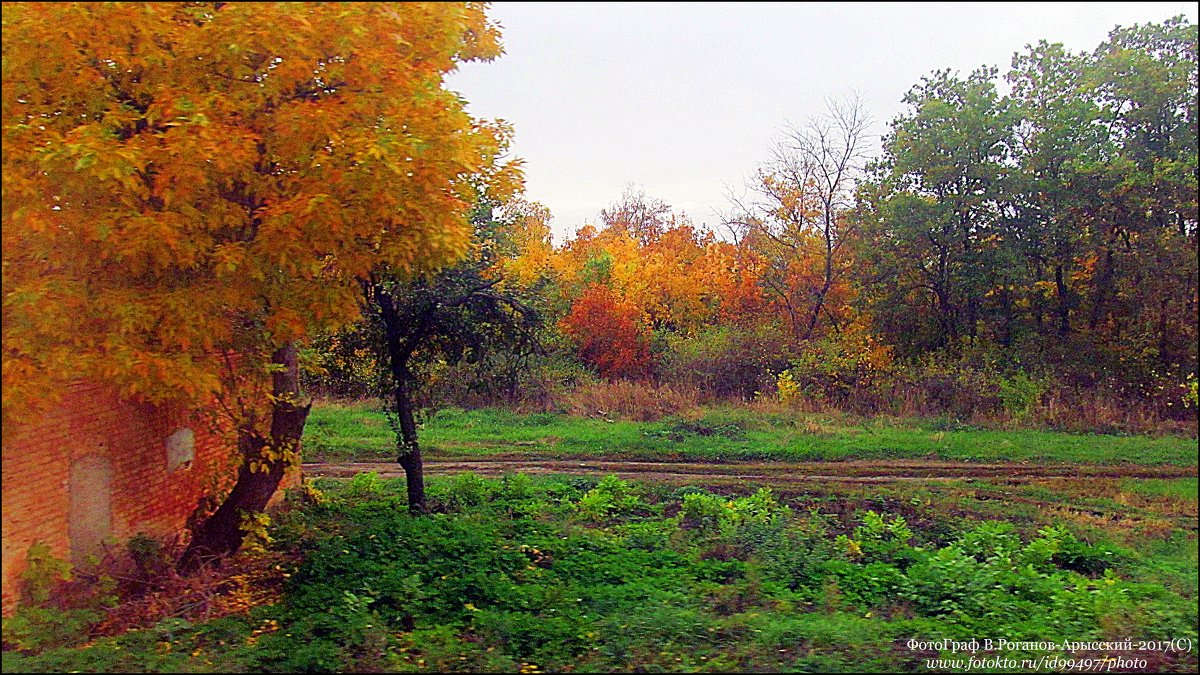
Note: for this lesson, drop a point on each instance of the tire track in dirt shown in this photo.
(858, 471)
(822, 477)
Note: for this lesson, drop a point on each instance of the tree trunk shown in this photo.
(972, 320)
(410, 450)
(1164, 354)
(1064, 306)
(1006, 329)
(1102, 286)
(947, 313)
(827, 283)
(221, 533)
(398, 354)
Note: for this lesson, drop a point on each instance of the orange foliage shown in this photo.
(609, 334)
(531, 249)
(680, 278)
(735, 284)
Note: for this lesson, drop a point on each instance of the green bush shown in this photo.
(364, 485)
(838, 366)
(39, 621)
(467, 489)
(36, 628)
(990, 539)
(702, 511)
(1020, 393)
(611, 496)
(726, 363)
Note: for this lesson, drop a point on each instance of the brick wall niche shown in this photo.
(96, 470)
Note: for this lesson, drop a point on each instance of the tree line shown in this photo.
(1001, 249)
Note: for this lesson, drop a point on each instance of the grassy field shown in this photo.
(677, 572)
(359, 431)
(569, 573)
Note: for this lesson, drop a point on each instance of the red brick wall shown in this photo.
(145, 497)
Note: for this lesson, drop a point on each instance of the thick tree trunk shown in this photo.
(1164, 354)
(971, 322)
(947, 314)
(1006, 328)
(826, 284)
(948, 310)
(221, 533)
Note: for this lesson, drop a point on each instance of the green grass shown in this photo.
(557, 573)
(357, 431)
(347, 431)
(1179, 488)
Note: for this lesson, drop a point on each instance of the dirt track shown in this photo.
(874, 471)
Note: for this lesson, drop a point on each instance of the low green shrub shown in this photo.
(551, 573)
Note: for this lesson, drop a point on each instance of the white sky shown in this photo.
(684, 99)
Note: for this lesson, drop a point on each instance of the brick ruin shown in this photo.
(96, 470)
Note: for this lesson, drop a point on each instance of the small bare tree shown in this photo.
(795, 216)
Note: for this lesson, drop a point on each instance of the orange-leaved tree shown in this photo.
(183, 181)
(610, 333)
(651, 257)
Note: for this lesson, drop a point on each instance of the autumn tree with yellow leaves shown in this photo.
(186, 181)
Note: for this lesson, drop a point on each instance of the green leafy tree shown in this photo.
(462, 313)
(1060, 140)
(934, 207)
(1144, 291)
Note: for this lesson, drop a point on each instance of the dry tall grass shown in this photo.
(1058, 410)
(630, 400)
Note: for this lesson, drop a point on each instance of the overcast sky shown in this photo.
(683, 100)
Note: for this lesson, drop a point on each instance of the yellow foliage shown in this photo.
(182, 180)
(787, 387)
(254, 528)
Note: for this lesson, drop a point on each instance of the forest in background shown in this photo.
(1021, 249)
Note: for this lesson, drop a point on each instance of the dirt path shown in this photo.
(874, 471)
